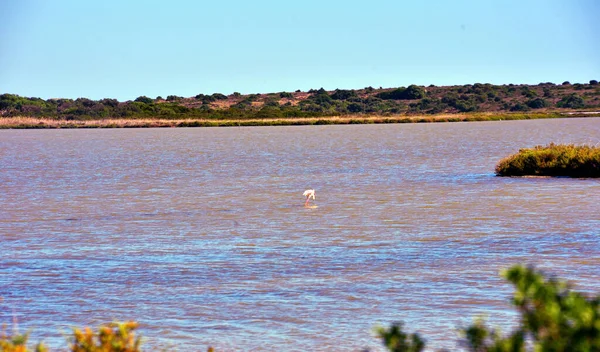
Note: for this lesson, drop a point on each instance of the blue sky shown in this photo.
(125, 49)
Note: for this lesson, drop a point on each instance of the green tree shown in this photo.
(572, 101)
(537, 103)
(342, 94)
(409, 93)
(144, 99)
(553, 317)
(398, 341)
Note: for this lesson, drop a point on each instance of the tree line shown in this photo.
(317, 102)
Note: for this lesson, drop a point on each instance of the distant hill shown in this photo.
(411, 100)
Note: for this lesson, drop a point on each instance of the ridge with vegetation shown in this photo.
(368, 105)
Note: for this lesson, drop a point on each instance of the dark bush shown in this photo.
(412, 92)
(572, 101)
(219, 96)
(519, 107)
(537, 103)
(355, 107)
(144, 99)
(593, 82)
(341, 94)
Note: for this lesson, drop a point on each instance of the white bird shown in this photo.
(309, 193)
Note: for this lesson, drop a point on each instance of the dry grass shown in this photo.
(32, 122)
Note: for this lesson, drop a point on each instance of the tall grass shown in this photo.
(25, 122)
(552, 160)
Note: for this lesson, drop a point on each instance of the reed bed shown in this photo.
(552, 160)
(24, 122)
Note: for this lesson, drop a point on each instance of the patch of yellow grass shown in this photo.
(33, 122)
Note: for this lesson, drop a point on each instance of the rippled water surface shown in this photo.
(202, 237)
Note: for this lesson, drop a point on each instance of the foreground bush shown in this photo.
(17, 343)
(113, 337)
(552, 318)
(552, 160)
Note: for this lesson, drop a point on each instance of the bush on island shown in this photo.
(552, 160)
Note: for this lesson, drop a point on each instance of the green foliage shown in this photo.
(480, 339)
(552, 160)
(519, 107)
(341, 94)
(464, 99)
(553, 317)
(593, 82)
(398, 341)
(412, 92)
(173, 98)
(527, 92)
(537, 103)
(572, 101)
(144, 99)
(219, 96)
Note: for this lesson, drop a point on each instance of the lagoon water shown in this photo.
(201, 234)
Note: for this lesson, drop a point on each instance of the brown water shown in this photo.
(202, 237)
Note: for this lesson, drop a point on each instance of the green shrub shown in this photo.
(552, 160)
(219, 96)
(144, 99)
(537, 103)
(412, 92)
(398, 341)
(174, 98)
(572, 101)
(552, 318)
(341, 94)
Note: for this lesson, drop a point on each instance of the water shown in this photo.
(202, 237)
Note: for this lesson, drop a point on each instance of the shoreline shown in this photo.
(24, 122)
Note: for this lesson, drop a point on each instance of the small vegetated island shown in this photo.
(470, 102)
(557, 160)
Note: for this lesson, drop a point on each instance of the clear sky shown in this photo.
(124, 49)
